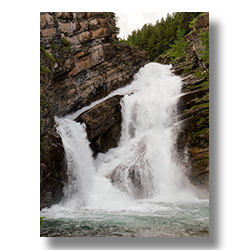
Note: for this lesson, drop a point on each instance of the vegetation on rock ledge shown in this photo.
(157, 39)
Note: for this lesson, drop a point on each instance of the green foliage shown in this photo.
(205, 43)
(65, 41)
(50, 56)
(45, 69)
(108, 106)
(158, 38)
(110, 26)
(42, 49)
(179, 48)
(191, 24)
(68, 48)
(41, 220)
(200, 73)
(88, 122)
(204, 54)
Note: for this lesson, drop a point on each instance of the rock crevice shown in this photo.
(81, 61)
(192, 142)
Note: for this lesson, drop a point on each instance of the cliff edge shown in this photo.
(80, 61)
(192, 142)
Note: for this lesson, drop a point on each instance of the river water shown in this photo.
(136, 189)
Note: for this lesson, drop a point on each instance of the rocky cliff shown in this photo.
(80, 61)
(192, 142)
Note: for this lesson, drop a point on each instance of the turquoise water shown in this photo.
(136, 189)
(144, 219)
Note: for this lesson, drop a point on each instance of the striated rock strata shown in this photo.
(192, 142)
(80, 62)
(103, 124)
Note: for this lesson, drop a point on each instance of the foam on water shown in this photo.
(139, 178)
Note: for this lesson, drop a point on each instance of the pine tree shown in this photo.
(159, 38)
(179, 48)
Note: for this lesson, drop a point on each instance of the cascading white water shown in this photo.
(80, 167)
(142, 165)
(135, 189)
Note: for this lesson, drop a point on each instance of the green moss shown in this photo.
(204, 85)
(108, 106)
(203, 159)
(50, 56)
(204, 111)
(88, 122)
(201, 73)
(201, 121)
(204, 98)
(68, 48)
(45, 69)
(43, 99)
(43, 49)
(203, 131)
(65, 41)
(199, 106)
(111, 28)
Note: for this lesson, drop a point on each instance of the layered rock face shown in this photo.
(103, 124)
(192, 142)
(80, 62)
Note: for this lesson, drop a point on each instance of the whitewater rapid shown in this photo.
(145, 148)
(140, 175)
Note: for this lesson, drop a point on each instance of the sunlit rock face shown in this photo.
(80, 61)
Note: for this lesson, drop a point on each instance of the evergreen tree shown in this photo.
(178, 49)
(159, 38)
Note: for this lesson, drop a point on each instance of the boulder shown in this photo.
(103, 124)
(136, 177)
(81, 61)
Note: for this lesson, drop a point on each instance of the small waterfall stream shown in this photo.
(129, 188)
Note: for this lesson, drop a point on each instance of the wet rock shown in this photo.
(192, 141)
(136, 177)
(195, 45)
(103, 124)
(52, 169)
(80, 61)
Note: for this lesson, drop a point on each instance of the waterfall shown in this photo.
(142, 166)
(80, 167)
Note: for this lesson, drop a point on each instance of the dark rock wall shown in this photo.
(80, 62)
(103, 124)
(192, 142)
